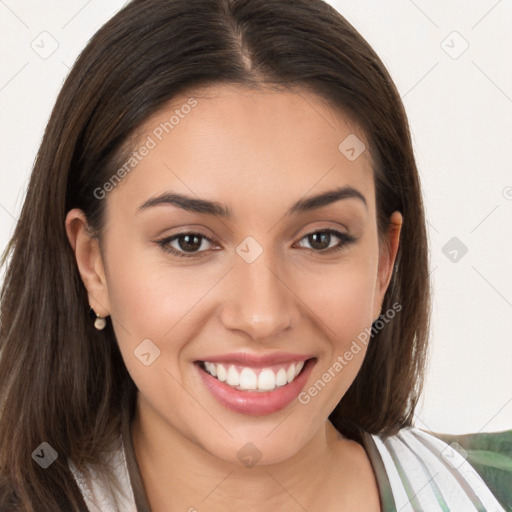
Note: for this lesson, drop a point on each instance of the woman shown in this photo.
(229, 188)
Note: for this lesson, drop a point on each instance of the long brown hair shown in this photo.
(65, 383)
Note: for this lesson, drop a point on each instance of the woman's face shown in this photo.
(233, 275)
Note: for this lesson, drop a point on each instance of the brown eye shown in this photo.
(189, 243)
(184, 244)
(320, 241)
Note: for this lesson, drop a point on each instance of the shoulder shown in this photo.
(490, 454)
(425, 473)
(103, 491)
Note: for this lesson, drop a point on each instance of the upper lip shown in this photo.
(248, 359)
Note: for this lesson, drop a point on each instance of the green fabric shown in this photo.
(491, 456)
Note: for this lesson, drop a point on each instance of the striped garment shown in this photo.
(415, 472)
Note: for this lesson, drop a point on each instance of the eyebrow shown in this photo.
(196, 205)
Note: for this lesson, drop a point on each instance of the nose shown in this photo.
(260, 304)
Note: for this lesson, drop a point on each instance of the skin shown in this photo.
(257, 152)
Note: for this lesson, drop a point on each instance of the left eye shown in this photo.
(320, 241)
(190, 244)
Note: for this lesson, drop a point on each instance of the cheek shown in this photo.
(153, 307)
(152, 299)
(341, 296)
(148, 295)
(341, 299)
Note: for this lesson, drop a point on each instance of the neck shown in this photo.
(180, 475)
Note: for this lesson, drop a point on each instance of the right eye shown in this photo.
(184, 245)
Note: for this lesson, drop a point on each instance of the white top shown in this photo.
(107, 496)
(415, 472)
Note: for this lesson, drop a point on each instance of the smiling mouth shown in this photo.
(245, 378)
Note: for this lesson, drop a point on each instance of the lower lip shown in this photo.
(256, 403)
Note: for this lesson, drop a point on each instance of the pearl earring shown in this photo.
(100, 322)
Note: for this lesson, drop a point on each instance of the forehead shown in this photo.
(245, 146)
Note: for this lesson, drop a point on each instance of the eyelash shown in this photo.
(345, 240)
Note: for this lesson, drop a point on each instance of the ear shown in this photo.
(387, 256)
(89, 261)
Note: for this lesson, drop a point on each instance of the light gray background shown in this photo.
(459, 102)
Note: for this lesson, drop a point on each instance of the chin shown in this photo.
(257, 445)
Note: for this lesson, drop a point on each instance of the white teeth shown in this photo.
(221, 373)
(267, 380)
(212, 368)
(233, 378)
(249, 380)
(281, 377)
(290, 374)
